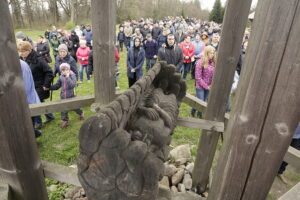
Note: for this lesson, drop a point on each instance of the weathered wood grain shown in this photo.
(234, 25)
(267, 108)
(104, 33)
(200, 124)
(20, 166)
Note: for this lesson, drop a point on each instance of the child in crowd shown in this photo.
(67, 83)
(203, 75)
(82, 56)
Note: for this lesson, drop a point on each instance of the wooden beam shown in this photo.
(234, 25)
(20, 166)
(104, 33)
(61, 105)
(61, 173)
(267, 109)
(292, 194)
(200, 124)
(194, 102)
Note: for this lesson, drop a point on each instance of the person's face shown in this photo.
(188, 39)
(62, 53)
(137, 31)
(215, 39)
(83, 44)
(149, 38)
(171, 40)
(211, 54)
(24, 54)
(137, 43)
(53, 28)
(197, 37)
(65, 71)
(121, 29)
(40, 40)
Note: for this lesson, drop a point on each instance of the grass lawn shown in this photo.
(62, 146)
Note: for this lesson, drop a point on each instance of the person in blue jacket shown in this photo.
(135, 61)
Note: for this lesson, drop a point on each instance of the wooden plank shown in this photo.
(5, 192)
(293, 158)
(228, 55)
(194, 102)
(104, 33)
(200, 124)
(267, 109)
(60, 173)
(61, 105)
(292, 194)
(20, 166)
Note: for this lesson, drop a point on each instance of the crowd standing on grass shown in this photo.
(189, 44)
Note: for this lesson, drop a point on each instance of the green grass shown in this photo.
(62, 146)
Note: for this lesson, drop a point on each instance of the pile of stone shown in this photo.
(75, 193)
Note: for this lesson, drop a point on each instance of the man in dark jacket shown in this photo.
(43, 50)
(75, 44)
(88, 34)
(42, 75)
(171, 53)
(156, 31)
(151, 49)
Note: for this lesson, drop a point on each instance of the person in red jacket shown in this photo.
(117, 67)
(188, 50)
(82, 55)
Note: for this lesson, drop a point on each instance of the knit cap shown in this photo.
(64, 66)
(63, 47)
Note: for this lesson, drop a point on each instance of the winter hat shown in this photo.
(24, 46)
(63, 66)
(20, 35)
(82, 42)
(63, 47)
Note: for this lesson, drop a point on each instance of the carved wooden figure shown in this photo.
(123, 147)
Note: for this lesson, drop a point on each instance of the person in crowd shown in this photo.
(91, 63)
(47, 34)
(53, 32)
(204, 38)
(121, 37)
(65, 57)
(69, 44)
(54, 43)
(88, 35)
(145, 30)
(179, 35)
(151, 50)
(171, 53)
(43, 50)
(82, 56)
(75, 44)
(199, 46)
(42, 76)
(135, 61)
(203, 75)
(78, 32)
(162, 38)
(128, 34)
(137, 34)
(296, 144)
(242, 57)
(117, 59)
(188, 51)
(67, 82)
(60, 36)
(156, 31)
(31, 94)
(214, 41)
(21, 36)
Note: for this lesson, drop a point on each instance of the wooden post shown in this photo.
(104, 33)
(234, 25)
(20, 166)
(267, 109)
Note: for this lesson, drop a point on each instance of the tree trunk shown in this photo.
(16, 14)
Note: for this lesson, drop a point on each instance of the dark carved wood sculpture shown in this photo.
(123, 148)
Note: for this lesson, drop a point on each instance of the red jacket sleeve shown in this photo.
(117, 55)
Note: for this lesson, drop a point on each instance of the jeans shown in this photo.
(149, 63)
(65, 116)
(186, 69)
(38, 119)
(203, 95)
(81, 72)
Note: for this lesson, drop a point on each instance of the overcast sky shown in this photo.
(208, 4)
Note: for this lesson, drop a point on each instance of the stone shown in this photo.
(73, 166)
(164, 193)
(170, 170)
(52, 188)
(181, 188)
(176, 178)
(187, 181)
(182, 151)
(71, 192)
(174, 189)
(186, 196)
(180, 161)
(165, 181)
(190, 168)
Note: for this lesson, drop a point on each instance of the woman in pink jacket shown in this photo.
(188, 51)
(204, 71)
(82, 55)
